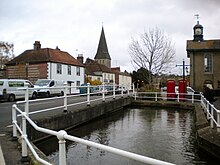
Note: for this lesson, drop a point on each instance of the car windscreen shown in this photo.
(42, 82)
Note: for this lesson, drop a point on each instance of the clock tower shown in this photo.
(198, 31)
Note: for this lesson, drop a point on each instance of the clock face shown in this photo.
(198, 31)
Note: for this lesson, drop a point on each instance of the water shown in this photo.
(162, 134)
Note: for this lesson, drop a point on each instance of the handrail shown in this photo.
(62, 135)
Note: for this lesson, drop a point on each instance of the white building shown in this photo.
(47, 63)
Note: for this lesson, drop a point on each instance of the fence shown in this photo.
(212, 113)
(62, 135)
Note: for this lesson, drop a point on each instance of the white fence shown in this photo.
(62, 135)
(212, 113)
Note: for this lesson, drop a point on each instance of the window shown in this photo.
(78, 71)
(208, 63)
(77, 84)
(69, 69)
(15, 84)
(59, 69)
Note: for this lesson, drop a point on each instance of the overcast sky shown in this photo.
(75, 25)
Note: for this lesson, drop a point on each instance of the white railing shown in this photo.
(62, 135)
(156, 96)
(212, 113)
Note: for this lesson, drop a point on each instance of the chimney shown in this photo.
(57, 48)
(80, 58)
(37, 45)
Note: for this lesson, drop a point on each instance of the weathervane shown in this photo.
(197, 17)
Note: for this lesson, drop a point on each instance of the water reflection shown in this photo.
(158, 133)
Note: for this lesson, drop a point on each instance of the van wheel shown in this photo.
(34, 95)
(11, 98)
(62, 93)
(47, 94)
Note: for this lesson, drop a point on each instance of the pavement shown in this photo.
(10, 150)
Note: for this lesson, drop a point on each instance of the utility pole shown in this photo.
(184, 67)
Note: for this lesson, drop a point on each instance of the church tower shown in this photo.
(102, 56)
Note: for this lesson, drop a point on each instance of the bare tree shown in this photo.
(6, 53)
(152, 51)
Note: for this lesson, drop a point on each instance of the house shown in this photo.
(47, 63)
(204, 60)
(96, 71)
(122, 78)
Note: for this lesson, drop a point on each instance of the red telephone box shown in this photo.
(171, 89)
(182, 89)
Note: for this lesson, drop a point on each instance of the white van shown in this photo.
(11, 89)
(49, 87)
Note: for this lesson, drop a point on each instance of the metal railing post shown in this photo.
(133, 89)
(127, 88)
(207, 109)
(23, 136)
(65, 97)
(178, 97)
(26, 108)
(14, 122)
(114, 91)
(212, 116)
(122, 91)
(218, 120)
(155, 96)
(103, 92)
(88, 94)
(135, 96)
(62, 147)
(193, 98)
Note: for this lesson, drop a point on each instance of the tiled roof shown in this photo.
(203, 45)
(45, 55)
(93, 66)
(102, 51)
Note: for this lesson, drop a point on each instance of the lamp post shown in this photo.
(184, 67)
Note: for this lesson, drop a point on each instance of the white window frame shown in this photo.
(208, 62)
(78, 71)
(59, 68)
(69, 69)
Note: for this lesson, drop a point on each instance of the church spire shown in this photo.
(102, 56)
(102, 51)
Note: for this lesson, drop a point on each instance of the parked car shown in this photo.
(190, 91)
(121, 88)
(49, 87)
(11, 89)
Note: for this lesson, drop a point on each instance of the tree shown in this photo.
(152, 51)
(6, 53)
(142, 75)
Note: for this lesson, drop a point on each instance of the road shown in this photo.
(39, 104)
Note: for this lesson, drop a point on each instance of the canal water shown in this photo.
(164, 134)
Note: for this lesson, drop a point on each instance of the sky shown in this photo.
(75, 25)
